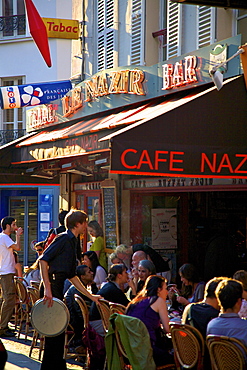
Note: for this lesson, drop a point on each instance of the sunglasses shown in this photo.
(39, 250)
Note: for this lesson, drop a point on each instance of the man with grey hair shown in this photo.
(125, 254)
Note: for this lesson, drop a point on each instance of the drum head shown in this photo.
(49, 321)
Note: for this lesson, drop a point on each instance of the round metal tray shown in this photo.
(49, 321)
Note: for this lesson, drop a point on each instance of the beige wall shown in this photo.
(224, 24)
(152, 25)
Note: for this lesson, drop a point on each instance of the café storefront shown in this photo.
(170, 145)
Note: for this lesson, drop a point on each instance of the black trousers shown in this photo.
(54, 346)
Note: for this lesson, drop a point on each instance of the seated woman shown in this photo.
(150, 306)
(33, 273)
(145, 269)
(111, 291)
(99, 273)
(192, 288)
(96, 232)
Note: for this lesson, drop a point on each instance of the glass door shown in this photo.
(24, 210)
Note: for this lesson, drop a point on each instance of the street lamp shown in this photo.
(216, 75)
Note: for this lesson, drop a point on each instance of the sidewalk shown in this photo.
(18, 351)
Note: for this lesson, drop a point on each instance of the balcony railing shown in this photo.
(6, 136)
(13, 25)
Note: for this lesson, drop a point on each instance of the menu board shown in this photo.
(110, 215)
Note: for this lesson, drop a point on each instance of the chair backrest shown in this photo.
(84, 309)
(21, 290)
(105, 313)
(226, 352)
(117, 308)
(188, 345)
(33, 294)
(34, 284)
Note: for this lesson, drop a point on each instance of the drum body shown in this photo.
(49, 321)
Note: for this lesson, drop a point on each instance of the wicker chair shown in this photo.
(85, 314)
(226, 353)
(188, 345)
(117, 308)
(33, 295)
(34, 284)
(22, 308)
(124, 357)
(105, 313)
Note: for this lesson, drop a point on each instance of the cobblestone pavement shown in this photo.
(18, 351)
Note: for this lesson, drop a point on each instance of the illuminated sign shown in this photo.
(62, 28)
(173, 161)
(64, 148)
(102, 84)
(41, 116)
(180, 73)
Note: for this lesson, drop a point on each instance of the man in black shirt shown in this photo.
(57, 264)
(199, 314)
(85, 274)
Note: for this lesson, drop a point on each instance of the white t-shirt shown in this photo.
(100, 276)
(7, 259)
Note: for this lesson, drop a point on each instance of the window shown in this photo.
(137, 32)
(12, 122)
(106, 34)
(205, 26)
(13, 19)
(174, 34)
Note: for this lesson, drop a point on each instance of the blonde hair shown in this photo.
(122, 248)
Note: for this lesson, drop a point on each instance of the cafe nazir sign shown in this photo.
(116, 82)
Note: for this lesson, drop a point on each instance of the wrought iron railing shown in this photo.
(13, 25)
(6, 136)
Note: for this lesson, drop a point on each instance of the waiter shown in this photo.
(57, 264)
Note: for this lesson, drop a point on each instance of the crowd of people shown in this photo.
(136, 277)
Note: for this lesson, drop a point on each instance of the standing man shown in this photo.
(57, 264)
(7, 272)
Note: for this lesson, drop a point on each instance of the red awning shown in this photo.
(85, 127)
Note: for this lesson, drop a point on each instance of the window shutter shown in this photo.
(137, 32)
(106, 34)
(174, 21)
(205, 26)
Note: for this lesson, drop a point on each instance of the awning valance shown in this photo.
(204, 135)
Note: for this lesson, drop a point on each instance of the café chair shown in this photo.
(85, 314)
(34, 284)
(22, 307)
(33, 295)
(226, 353)
(188, 345)
(119, 345)
(105, 313)
(117, 308)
